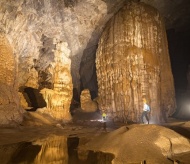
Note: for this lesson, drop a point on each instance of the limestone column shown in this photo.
(133, 63)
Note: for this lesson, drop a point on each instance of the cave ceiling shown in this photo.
(34, 27)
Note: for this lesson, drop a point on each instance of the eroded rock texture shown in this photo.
(132, 63)
(87, 104)
(10, 110)
(59, 98)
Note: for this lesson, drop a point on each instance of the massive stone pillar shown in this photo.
(10, 111)
(133, 63)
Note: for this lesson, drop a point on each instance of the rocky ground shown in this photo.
(130, 143)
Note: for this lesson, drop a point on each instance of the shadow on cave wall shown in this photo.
(34, 98)
(88, 77)
(87, 71)
(179, 50)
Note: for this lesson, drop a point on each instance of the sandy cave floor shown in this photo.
(86, 128)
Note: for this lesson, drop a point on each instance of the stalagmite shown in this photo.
(59, 98)
(133, 63)
(87, 105)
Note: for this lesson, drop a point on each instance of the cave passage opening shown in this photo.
(34, 98)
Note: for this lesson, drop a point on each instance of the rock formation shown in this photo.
(87, 104)
(133, 63)
(10, 110)
(59, 98)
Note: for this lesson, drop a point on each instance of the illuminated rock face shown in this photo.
(133, 63)
(87, 104)
(59, 98)
(10, 110)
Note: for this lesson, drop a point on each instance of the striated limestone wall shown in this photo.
(10, 111)
(133, 63)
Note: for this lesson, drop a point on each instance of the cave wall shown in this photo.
(10, 110)
(31, 26)
(133, 63)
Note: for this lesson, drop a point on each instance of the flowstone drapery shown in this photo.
(133, 63)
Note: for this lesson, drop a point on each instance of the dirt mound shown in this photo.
(136, 143)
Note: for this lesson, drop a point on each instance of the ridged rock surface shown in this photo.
(133, 63)
(87, 104)
(10, 110)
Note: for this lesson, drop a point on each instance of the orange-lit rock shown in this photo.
(87, 104)
(10, 110)
(32, 80)
(132, 63)
(23, 101)
(59, 98)
(53, 150)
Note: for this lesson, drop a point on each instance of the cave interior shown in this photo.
(65, 62)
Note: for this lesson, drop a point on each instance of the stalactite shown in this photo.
(133, 63)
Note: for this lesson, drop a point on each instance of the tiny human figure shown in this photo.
(146, 110)
(104, 120)
(104, 116)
